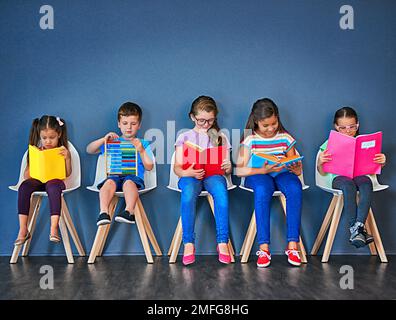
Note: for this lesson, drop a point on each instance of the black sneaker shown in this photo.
(103, 219)
(126, 217)
(358, 240)
(369, 238)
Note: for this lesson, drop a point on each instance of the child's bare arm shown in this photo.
(94, 146)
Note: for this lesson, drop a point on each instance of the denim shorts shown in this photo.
(120, 180)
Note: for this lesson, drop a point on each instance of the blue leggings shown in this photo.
(264, 186)
(191, 188)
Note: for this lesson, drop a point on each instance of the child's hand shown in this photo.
(295, 168)
(380, 158)
(324, 157)
(110, 136)
(197, 174)
(138, 144)
(267, 168)
(226, 165)
(64, 152)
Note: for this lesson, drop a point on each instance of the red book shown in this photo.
(208, 159)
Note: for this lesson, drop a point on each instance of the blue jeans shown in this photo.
(349, 188)
(191, 188)
(264, 186)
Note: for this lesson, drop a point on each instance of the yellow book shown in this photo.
(45, 165)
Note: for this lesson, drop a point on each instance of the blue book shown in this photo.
(258, 160)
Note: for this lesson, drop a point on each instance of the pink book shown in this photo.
(353, 156)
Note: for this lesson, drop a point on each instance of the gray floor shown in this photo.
(130, 277)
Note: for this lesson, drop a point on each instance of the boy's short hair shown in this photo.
(129, 109)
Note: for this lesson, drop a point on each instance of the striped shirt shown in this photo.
(278, 145)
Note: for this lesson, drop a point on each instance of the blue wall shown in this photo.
(162, 54)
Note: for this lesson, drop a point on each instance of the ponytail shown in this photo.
(34, 135)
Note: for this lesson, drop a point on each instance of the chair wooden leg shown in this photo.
(173, 242)
(34, 208)
(101, 234)
(143, 235)
(373, 250)
(65, 240)
(300, 243)
(248, 231)
(324, 227)
(377, 237)
(70, 226)
(149, 230)
(229, 244)
(333, 228)
(249, 239)
(176, 242)
(33, 214)
(112, 207)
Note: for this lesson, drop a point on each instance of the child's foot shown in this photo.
(358, 238)
(125, 217)
(22, 238)
(189, 254)
(293, 257)
(54, 238)
(369, 238)
(103, 219)
(264, 258)
(224, 255)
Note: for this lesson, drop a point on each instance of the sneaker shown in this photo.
(358, 240)
(369, 238)
(103, 219)
(264, 258)
(293, 257)
(125, 217)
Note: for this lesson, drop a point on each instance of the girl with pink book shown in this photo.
(346, 122)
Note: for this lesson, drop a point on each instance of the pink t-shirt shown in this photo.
(201, 139)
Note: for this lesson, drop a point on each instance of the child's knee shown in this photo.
(109, 185)
(129, 186)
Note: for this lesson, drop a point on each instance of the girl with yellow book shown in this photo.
(46, 134)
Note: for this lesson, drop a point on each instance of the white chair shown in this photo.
(334, 213)
(65, 222)
(143, 225)
(252, 229)
(177, 237)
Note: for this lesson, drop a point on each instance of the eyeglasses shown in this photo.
(202, 122)
(352, 127)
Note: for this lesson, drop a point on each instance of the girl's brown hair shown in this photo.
(262, 109)
(48, 122)
(205, 103)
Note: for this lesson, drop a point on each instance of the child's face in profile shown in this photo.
(49, 138)
(268, 127)
(129, 126)
(204, 120)
(347, 126)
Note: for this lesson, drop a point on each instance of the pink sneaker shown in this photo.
(264, 258)
(223, 258)
(293, 257)
(189, 259)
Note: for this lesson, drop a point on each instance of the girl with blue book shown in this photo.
(267, 135)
